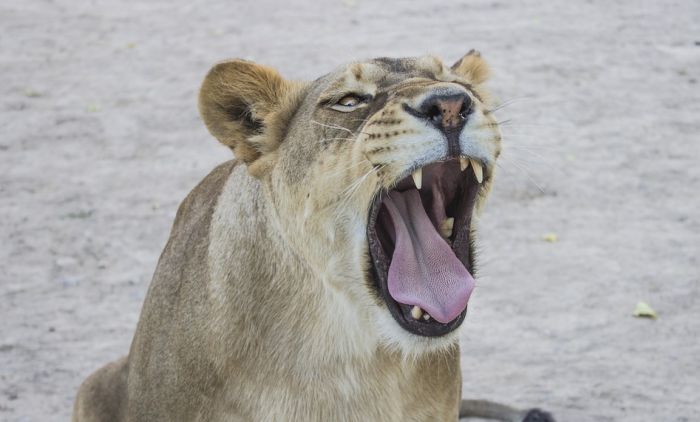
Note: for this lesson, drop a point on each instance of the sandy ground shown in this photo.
(100, 139)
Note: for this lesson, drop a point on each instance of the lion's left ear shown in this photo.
(240, 103)
(472, 68)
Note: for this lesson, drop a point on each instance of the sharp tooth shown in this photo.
(463, 163)
(478, 171)
(446, 227)
(426, 316)
(416, 312)
(418, 177)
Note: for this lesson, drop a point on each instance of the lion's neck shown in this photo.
(274, 305)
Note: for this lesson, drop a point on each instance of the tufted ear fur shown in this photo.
(242, 103)
(472, 67)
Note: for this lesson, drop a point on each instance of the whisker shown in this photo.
(335, 173)
(360, 180)
(324, 140)
(526, 175)
(361, 120)
(510, 123)
(529, 165)
(509, 102)
(529, 145)
(333, 127)
(350, 191)
(541, 157)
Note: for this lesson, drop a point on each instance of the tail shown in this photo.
(490, 410)
(102, 396)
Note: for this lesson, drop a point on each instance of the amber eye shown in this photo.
(349, 102)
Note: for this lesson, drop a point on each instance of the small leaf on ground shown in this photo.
(643, 310)
(550, 237)
(32, 93)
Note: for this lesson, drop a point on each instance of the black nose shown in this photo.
(447, 111)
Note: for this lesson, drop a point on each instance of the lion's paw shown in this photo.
(537, 415)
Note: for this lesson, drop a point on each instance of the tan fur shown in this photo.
(260, 308)
(473, 67)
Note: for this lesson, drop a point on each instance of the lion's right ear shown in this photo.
(235, 100)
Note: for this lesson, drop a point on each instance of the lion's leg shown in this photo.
(491, 410)
(102, 396)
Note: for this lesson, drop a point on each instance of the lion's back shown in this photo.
(120, 391)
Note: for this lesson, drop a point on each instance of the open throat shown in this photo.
(421, 248)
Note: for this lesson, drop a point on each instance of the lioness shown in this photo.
(322, 275)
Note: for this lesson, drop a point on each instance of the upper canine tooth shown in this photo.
(463, 163)
(416, 312)
(418, 177)
(446, 227)
(478, 171)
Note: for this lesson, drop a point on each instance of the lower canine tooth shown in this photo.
(446, 227)
(418, 177)
(416, 312)
(478, 171)
(463, 163)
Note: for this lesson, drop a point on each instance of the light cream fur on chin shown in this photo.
(261, 307)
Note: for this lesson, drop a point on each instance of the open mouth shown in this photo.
(420, 245)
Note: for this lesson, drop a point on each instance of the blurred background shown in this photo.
(596, 204)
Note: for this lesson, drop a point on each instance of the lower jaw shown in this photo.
(402, 315)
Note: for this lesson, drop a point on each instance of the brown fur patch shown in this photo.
(357, 71)
(472, 68)
(241, 103)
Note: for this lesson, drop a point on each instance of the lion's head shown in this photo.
(375, 172)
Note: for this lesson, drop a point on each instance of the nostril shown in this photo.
(434, 113)
(444, 111)
(466, 108)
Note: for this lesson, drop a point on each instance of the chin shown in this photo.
(410, 346)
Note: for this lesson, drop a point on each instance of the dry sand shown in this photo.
(100, 140)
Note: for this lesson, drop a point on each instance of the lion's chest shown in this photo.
(348, 394)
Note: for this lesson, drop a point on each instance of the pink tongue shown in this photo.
(424, 271)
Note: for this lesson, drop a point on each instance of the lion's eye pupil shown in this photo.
(349, 101)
